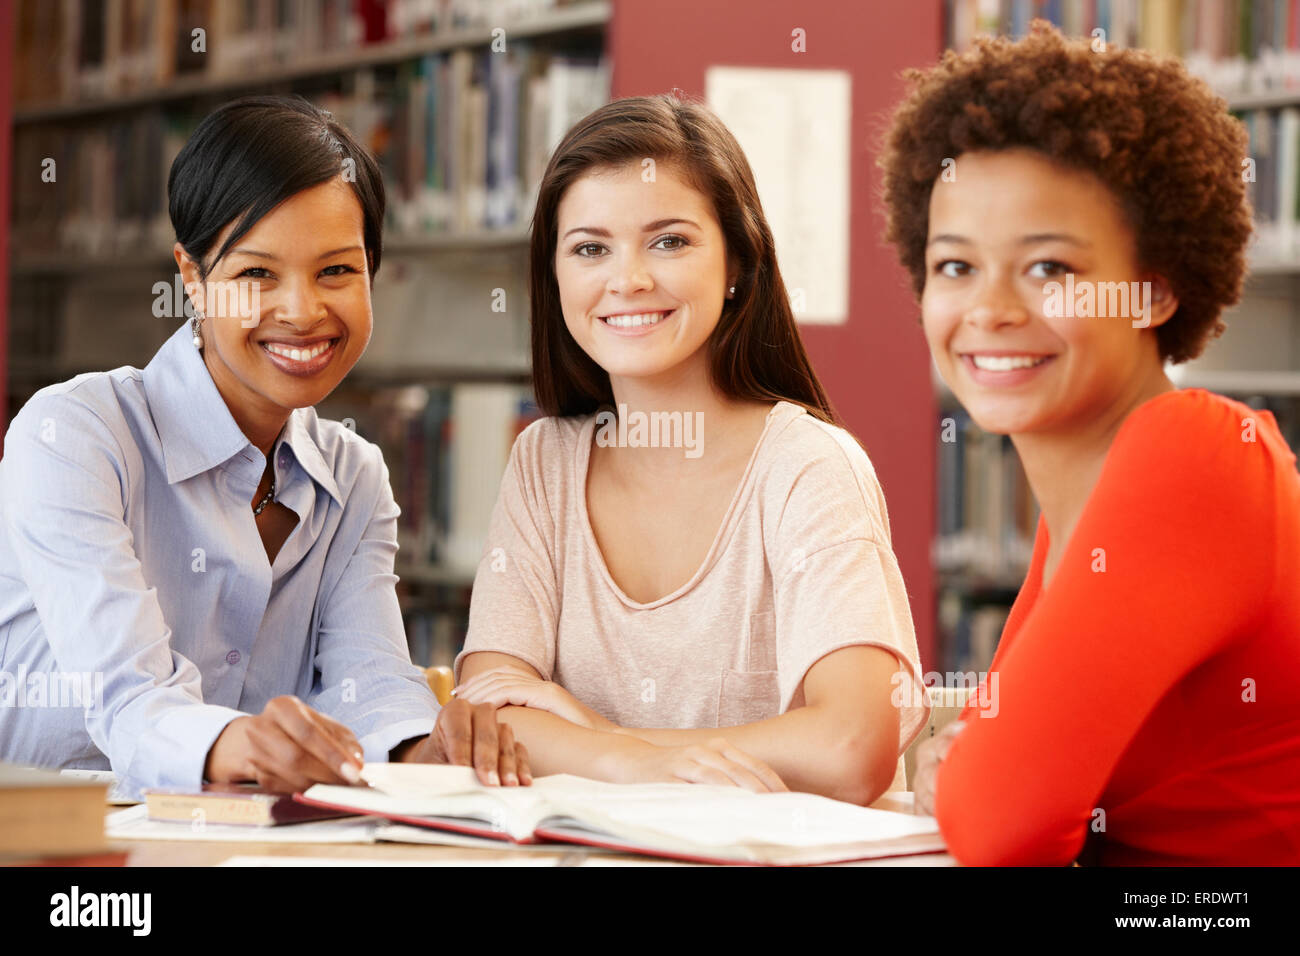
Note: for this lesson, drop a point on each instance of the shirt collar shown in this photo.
(301, 436)
(196, 428)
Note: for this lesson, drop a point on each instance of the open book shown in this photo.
(679, 820)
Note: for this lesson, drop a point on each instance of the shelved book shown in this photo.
(987, 516)
(462, 139)
(706, 824)
(89, 49)
(1241, 47)
(446, 450)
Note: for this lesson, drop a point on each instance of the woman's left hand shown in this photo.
(928, 757)
(502, 686)
(471, 737)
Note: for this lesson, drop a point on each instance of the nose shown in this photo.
(629, 276)
(995, 304)
(301, 304)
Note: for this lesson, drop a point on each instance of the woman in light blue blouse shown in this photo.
(196, 573)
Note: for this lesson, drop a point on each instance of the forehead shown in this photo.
(632, 194)
(1019, 192)
(324, 211)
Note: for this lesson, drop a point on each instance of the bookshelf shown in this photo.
(460, 100)
(1249, 51)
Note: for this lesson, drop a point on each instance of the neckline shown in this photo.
(582, 464)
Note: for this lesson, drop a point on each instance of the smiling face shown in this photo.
(642, 271)
(307, 263)
(1010, 223)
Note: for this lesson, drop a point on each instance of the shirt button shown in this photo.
(232, 658)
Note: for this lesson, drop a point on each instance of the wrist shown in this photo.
(615, 763)
(405, 751)
(214, 764)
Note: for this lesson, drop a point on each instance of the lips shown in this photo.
(636, 323)
(1007, 363)
(303, 357)
(1005, 369)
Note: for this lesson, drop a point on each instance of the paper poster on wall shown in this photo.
(794, 128)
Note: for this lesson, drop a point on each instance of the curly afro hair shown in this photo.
(1160, 139)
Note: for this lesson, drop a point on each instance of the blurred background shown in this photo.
(462, 101)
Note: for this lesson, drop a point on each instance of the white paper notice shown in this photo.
(794, 128)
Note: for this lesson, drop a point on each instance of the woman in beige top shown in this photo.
(688, 574)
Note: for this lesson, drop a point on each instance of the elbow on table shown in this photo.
(1008, 837)
(863, 768)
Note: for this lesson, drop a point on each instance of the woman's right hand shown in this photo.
(716, 762)
(286, 748)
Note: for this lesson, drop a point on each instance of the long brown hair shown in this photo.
(755, 352)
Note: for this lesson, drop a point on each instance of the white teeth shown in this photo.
(632, 321)
(1005, 363)
(298, 355)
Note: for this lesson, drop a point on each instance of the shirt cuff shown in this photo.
(179, 753)
(375, 747)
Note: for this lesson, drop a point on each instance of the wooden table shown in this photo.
(199, 853)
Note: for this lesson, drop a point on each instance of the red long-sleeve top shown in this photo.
(1147, 704)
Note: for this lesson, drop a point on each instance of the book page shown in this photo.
(679, 817)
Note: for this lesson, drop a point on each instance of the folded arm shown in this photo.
(842, 744)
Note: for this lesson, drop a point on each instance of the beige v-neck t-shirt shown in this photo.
(801, 566)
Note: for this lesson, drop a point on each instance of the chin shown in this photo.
(302, 396)
(1004, 417)
(635, 369)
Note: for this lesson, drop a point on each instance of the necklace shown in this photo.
(257, 509)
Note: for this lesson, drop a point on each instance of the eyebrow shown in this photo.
(1023, 240)
(267, 255)
(648, 227)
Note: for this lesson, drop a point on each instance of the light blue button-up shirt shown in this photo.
(138, 611)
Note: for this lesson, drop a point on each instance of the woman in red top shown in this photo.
(1145, 708)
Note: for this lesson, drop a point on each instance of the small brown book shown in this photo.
(233, 803)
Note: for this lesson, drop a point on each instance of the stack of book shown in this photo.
(46, 816)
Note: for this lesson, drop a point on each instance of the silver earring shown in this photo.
(732, 290)
(195, 328)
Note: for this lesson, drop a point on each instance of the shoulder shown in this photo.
(549, 439)
(1198, 476)
(1195, 437)
(540, 472)
(98, 405)
(814, 468)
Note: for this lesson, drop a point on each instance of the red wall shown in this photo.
(876, 366)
